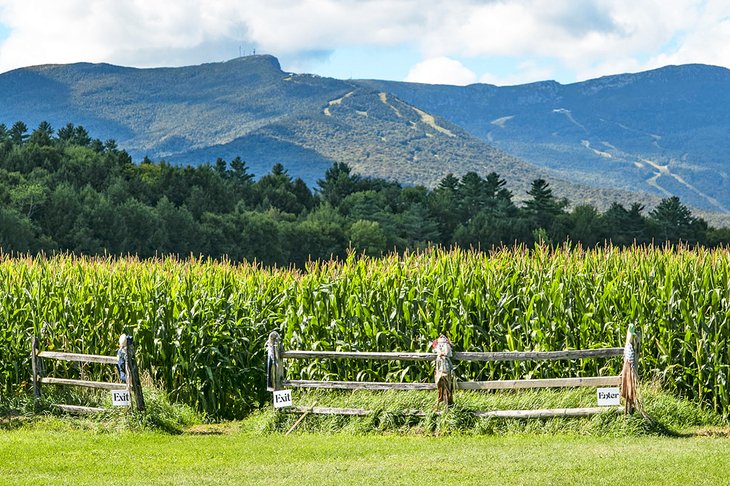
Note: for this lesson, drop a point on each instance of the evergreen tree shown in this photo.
(635, 225)
(444, 205)
(43, 135)
(586, 226)
(542, 207)
(239, 172)
(338, 183)
(75, 193)
(277, 190)
(18, 133)
(472, 195)
(674, 222)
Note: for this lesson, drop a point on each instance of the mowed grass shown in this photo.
(44, 456)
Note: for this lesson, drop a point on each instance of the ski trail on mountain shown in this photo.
(332, 103)
(652, 181)
(661, 170)
(384, 98)
(664, 170)
(502, 121)
(569, 115)
(655, 138)
(606, 155)
(429, 120)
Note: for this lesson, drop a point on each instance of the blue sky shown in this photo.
(455, 42)
(361, 62)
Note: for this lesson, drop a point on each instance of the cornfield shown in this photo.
(200, 326)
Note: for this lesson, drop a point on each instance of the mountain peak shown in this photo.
(258, 60)
(658, 132)
(684, 73)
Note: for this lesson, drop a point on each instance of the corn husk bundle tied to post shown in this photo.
(630, 373)
(443, 375)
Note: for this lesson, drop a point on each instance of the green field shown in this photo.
(200, 328)
(128, 448)
(44, 456)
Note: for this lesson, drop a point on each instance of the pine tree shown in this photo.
(543, 207)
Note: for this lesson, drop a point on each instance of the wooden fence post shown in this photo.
(127, 372)
(444, 371)
(134, 375)
(36, 370)
(274, 366)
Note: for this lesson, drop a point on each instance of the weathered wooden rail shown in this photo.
(276, 378)
(526, 414)
(462, 356)
(589, 381)
(132, 385)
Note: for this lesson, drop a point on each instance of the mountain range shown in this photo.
(630, 137)
(664, 131)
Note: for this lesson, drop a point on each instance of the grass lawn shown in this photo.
(38, 455)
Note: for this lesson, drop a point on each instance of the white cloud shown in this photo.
(526, 72)
(706, 40)
(102, 30)
(288, 25)
(441, 70)
(588, 38)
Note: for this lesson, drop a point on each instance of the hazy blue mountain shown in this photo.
(616, 138)
(662, 131)
(249, 107)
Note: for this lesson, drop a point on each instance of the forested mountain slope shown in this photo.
(623, 138)
(664, 131)
(249, 107)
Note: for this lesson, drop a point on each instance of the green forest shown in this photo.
(65, 191)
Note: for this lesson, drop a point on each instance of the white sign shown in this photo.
(120, 398)
(282, 398)
(608, 397)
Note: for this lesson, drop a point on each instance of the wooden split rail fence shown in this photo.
(594, 381)
(133, 381)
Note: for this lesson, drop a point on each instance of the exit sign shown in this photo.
(282, 398)
(120, 398)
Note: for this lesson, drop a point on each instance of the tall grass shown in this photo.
(200, 326)
(389, 412)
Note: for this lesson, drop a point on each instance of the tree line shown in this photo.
(62, 190)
